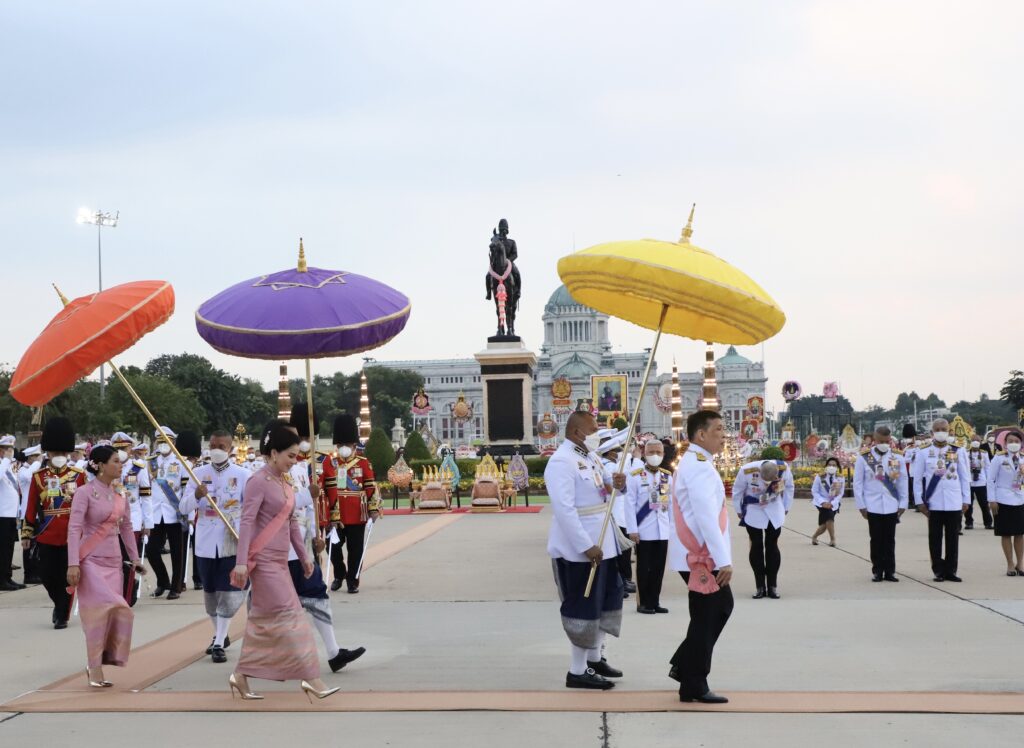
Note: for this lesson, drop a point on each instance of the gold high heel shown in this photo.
(233, 685)
(310, 691)
(97, 683)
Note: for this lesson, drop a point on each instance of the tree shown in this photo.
(772, 453)
(620, 423)
(173, 406)
(985, 412)
(1013, 391)
(416, 448)
(14, 417)
(380, 453)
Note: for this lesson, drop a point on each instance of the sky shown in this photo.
(861, 161)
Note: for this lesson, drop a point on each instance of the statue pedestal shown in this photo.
(506, 372)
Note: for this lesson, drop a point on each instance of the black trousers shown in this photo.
(765, 558)
(352, 539)
(624, 561)
(53, 570)
(30, 564)
(979, 494)
(910, 492)
(650, 571)
(171, 532)
(8, 537)
(882, 529)
(708, 616)
(944, 523)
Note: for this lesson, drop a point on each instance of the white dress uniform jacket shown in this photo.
(225, 486)
(773, 507)
(949, 465)
(303, 511)
(169, 470)
(25, 483)
(698, 491)
(576, 480)
(619, 508)
(651, 489)
(137, 488)
(828, 488)
(1005, 479)
(978, 460)
(869, 489)
(10, 490)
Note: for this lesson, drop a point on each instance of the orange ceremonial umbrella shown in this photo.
(89, 331)
(85, 334)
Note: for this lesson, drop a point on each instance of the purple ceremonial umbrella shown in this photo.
(306, 313)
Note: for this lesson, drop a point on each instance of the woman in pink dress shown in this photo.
(278, 641)
(100, 522)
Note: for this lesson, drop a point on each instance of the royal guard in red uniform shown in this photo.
(357, 502)
(324, 489)
(48, 512)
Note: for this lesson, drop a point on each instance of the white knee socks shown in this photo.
(578, 660)
(326, 632)
(220, 626)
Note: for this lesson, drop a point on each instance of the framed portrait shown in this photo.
(610, 394)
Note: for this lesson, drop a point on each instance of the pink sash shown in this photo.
(275, 524)
(103, 531)
(698, 558)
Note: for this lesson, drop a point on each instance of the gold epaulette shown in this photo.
(897, 451)
(666, 471)
(865, 451)
(75, 469)
(638, 471)
(139, 463)
(701, 458)
(752, 470)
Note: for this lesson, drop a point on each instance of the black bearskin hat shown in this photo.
(345, 430)
(189, 444)
(300, 420)
(58, 435)
(909, 432)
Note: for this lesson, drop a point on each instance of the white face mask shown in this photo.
(1013, 447)
(654, 460)
(304, 446)
(344, 452)
(991, 440)
(250, 458)
(831, 470)
(218, 456)
(882, 448)
(164, 448)
(591, 442)
(940, 436)
(975, 444)
(122, 455)
(58, 462)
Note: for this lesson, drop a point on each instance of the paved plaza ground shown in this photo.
(460, 620)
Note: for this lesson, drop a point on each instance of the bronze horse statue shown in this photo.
(502, 273)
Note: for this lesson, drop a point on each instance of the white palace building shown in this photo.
(576, 347)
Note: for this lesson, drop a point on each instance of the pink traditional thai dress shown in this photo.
(278, 641)
(99, 516)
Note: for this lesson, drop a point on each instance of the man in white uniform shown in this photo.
(699, 550)
(648, 524)
(579, 495)
(33, 461)
(762, 495)
(167, 476)
(880, 489)
(222, 482)
(942, 478)
(10, 502)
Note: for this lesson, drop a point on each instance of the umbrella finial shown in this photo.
(63, 298)
(684, 238)
(303, 268)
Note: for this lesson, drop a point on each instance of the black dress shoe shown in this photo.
(589, 679)
(773, 593)
(674, 674)
(209, 649)
(953, 578)
(890, 578)
(876, 577)
(227, 642)
(761, 592)
(33, 580)
(174, 596)
(710, 697)
(938, 578)
(60, 625)
(10, 586)
(336, 585)
(988, 527)
(159, 592)
(344, 657)
(603, 668)
(659, 609)
(197, 585)
(630, 586)
(219, 655)
(646, 611)
(353, 588)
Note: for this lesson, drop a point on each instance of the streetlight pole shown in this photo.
(100, 219)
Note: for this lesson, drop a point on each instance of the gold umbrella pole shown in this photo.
(312, 446)
(156, 425)
(625, 447)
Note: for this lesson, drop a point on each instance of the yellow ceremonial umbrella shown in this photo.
(674, 287)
